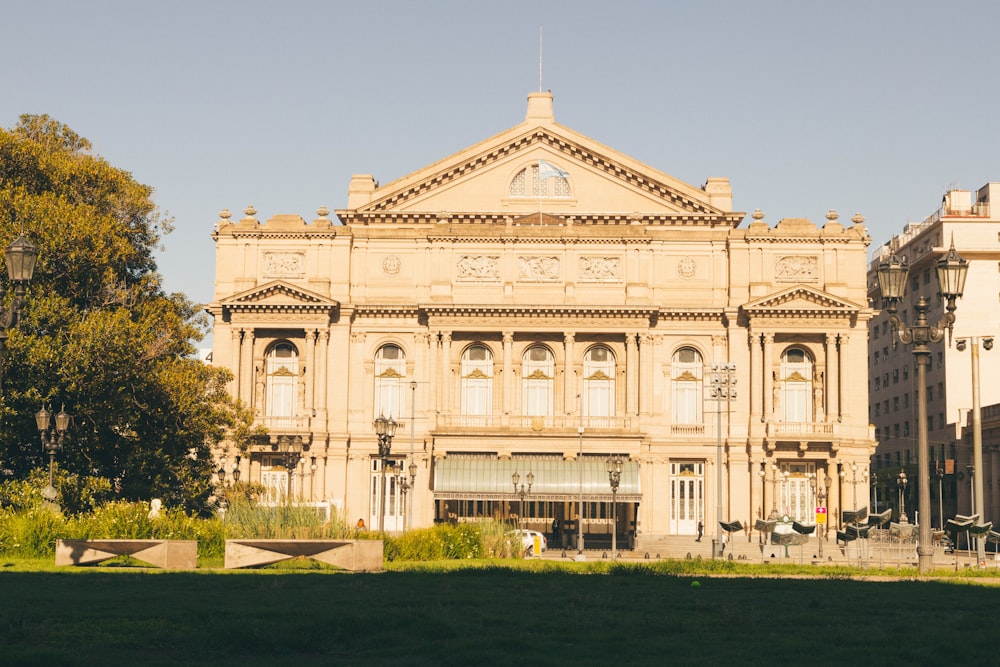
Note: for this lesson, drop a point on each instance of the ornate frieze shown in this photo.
(797, 268)
(478, 267)
(284, 264)
(538, 267)
(601, 269)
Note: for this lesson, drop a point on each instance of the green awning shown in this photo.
(489, 478)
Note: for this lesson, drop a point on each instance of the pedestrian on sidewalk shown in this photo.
(701, 530)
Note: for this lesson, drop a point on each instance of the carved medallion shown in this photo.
(686, 268)
(391, 265)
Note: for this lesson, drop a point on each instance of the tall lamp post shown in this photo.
(939, 476)
(385, 429)
(773, 516)
(901, 483)
(404, 486)
(723, 383)
(977, 433)
(614, 465)
(20, 256)
(52, 442)
(522, 493)
(952, 270)
(291, 451)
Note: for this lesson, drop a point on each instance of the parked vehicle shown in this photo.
(527, 538)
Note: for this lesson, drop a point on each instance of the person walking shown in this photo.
(701, 530)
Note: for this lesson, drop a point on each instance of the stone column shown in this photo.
(569, 380)
(646, 374)
(757, 383)
(832, 378)
(844, 405)
(237, 363)
(311, 377)
(247, 368)
(768, 376)
(447, 391)
(433, 374)
(322, 367)
(631, 374)
(508, 374)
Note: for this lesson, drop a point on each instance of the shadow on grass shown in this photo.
(482, 612)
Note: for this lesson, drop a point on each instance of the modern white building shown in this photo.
(539, 303)
(970, 221)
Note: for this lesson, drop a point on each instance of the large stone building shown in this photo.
(538, 303)
(969, 221)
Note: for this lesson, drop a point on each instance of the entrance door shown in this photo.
(687, 497)
(387, 499)
(274, 478)
(798, 500)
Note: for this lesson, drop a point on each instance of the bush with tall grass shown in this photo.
(30, 530)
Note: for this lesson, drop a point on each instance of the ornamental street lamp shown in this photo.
(952, 270)
(819, 485)
(385, 429)
(773, 516)
(291, 451)
(614, 465)
(20, 256)
(901, 483)
(522, 493)
(236, 468)
(723, 390)
(854, 482)
(404, 486)
(977, 433)
(52, 442)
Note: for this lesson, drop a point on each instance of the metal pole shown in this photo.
(407, 516)
(579, 518)
(614, 522)
(977, 450)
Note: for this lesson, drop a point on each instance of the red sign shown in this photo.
(820, 515)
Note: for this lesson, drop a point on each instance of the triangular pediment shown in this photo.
(278, 295)
(801, 299)
(479, 180)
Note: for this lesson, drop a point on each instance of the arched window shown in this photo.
(537, 381)
(796, 385)
(282, 385)
(686, 372)
(477, 385)
(552, 182)
(390, 373)
(599, 386)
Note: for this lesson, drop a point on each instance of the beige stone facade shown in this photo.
(536, 297)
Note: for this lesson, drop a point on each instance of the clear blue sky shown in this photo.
(876, 107)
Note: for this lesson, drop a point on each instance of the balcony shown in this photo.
(534, 423)
(285, 425)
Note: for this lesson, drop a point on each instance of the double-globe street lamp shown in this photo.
(385, 429)
(20, 256)
(614, 466)
(52, 442)
(404, 485)
(522, 493)
(978, 506)
(952, 270)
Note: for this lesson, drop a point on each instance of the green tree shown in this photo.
(99, 334)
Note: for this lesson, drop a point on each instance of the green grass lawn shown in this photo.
(486, 614)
